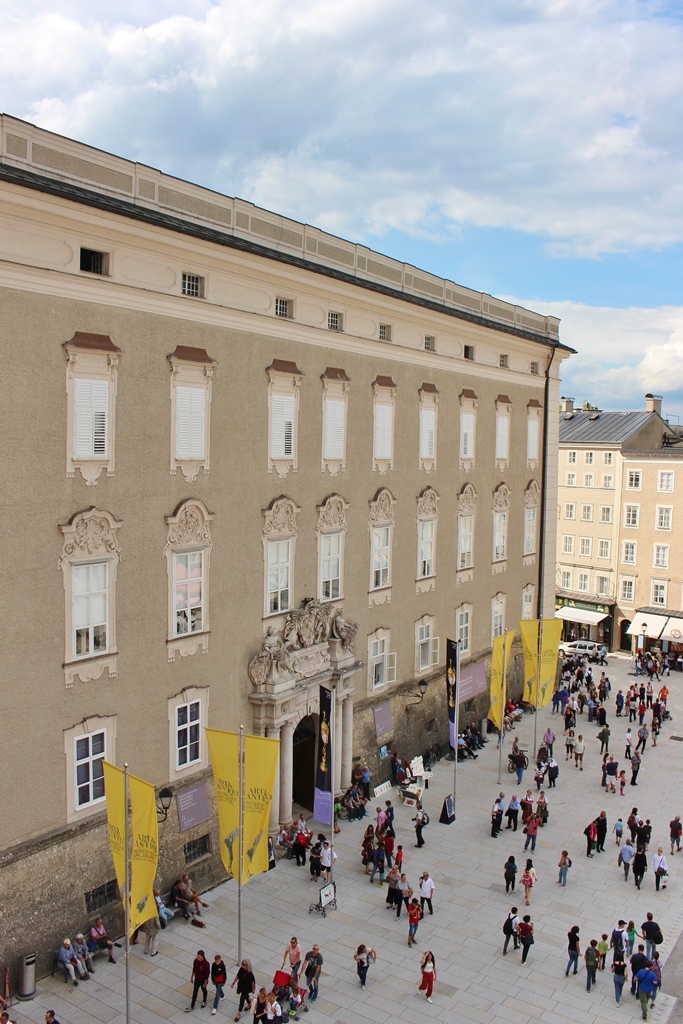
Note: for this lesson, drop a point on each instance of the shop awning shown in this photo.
(673, 631)
(654, 623)
(580, 615)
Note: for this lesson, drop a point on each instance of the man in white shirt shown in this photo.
(327, 858)
(426, 892)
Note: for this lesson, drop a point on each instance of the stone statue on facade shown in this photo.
(307, 625)
(273, 655)
(342, 630)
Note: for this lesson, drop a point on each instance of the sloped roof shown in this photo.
(591, 426)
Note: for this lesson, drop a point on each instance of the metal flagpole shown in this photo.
(502, 710)
(333, 758)
(126, 838)
(455, 721)
(241, 847)
(538, 680)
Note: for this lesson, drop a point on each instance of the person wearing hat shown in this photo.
(69, 962)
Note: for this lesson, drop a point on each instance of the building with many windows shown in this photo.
(254, 459)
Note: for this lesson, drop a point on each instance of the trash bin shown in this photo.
(26, 988)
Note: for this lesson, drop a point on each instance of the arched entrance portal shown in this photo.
(625, 638)
(303, 782)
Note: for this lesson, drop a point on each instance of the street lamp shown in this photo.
(418, 698)
(163, 804)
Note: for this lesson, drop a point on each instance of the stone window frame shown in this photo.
(91, 357)
(382, 633)
(624, 582)
(466, 608)
(331, 520)
(427, 512)
(335, 387)
(566, 577)
(661, 564)
(434, 644)
(284, 379)
(187, 695)
(532, 503)
(190, 368)
(583, 576)
(501, 504)
(89, 537)
(498, 599)
(467, 508)
(664, 585)
(429, 404)
(660, 518)
(632, 544)
(533, 416)
(280, 524)
(188, 530)
(468, 407)
(382, 514)
(529, 589)
(568, 543)
(87, 727)
(503, 405)
(383, 395)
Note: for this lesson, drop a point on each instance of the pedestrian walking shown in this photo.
(628, 743)
(622, 783)
(591, 957)
(201, 971)
(528, 880)
(542, 810)
(426, 892)
(311, 970)
(527, 806)
(618, 830)
(244, 980)
(647, 980)
(579, 751)
(611, 772)
(601, 829)
(404, 893)
(151, 928)
(414, 918)
(428, 968)
(378, 864)
(573, 950)
(564, 864)
(626, 855)
(657, 968)
(635, 767)
(520, 763)
(619, 940)
(591, 834)
(660, 868)
(420, 823)
(327, 859)
(652, 934)
(293, 953)
(549, 739)
(569, 742)
(603, 736)
(639, 866)
(364, 956)
(509, 872)
(531, 830)
(675, 830)
(643, 734)
(510, 930)
(261, 1007)
(393, 891)
(497, 814)
(619, 976)
(219, 976)
(525, 930)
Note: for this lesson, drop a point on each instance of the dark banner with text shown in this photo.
(322, 800)
(452, 663)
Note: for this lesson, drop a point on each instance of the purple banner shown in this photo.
(472, 681)
(451, 687)
(322, 797)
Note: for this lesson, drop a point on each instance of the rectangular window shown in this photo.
(659, 593)
(532, 428)
(502, 436)
(568, 544)
(427, 433)
(335, 414)
(571, 479)
(385, 332)
(566, 579)
(603, 549)
(196, 849)
(627, 586)
(380, 557)
(587, 513)
(468, 352)
(498, 616)
(283, 307)
(663, 517)
(534, 368)
(279, 559)
(335, 321)
(188, 585)
(571, 458)
(384, 422)
(466, 435)
(603, 586)
(192, 285)
(588, 479)
(465, 547)
(605, 513)
(529, 531)
(666, 480)
(424, 647)
(633, 480)
(631, 513)
(190, 420)
(504, 360)
(585, 546)
(187, 733)
(90, 753)
(330, 566)
(90, 601)
(528, 603)
(94, 262)
(661, 553)
(430, 343)
(102, 896)
(464, 629)
(608, 481)
(583, 581)
(628, 554)
(382, 663)
(500, 524)
(426, 552)
(91, 409)
(607, 458)
(282, 426)
(570, 510)
(589, 458)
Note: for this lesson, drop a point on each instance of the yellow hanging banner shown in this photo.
(144, 851)
(260, 764)
(500, 655)
(114, 794)
(224, 753)
(550, 642)
(528, 629)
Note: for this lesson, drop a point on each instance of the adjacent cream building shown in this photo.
(243, 458)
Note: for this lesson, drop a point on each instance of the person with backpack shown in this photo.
(564, 864)
(510, 930)
(618, 942)
(509, 872)
(652, 934)
(421, 819)
(591, 958)
(525, 930)
(529, 877)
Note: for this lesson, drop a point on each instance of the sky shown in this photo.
(532, 149)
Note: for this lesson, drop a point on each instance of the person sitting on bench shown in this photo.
(191, 896)
(98, 936)
(69, 962)
(179, 899)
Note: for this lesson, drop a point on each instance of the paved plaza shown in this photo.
(475, 982)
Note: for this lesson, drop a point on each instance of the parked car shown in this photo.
(573, 648)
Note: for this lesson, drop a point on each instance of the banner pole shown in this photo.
(539, 653)
(456, 723)
(333, 758)
(502, 710)
(126, 839)
(241, 847)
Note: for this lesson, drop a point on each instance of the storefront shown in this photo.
(585, 620)
(653, 631)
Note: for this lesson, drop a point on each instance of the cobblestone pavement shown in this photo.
(475, 982)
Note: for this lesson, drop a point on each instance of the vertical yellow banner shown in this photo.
(551, 636)
(144, 851)
(260, 764)
(528, 629)
(224, 753)
(495, 714)
(114, 794)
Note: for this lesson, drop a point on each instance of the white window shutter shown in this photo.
(91, 408)
(183, 422)
(198, 423)
(383, 431)
(502, 424)
(282, 421)
(467, 435)
(334, 428)
(532, 439)
(390, 668)
(427, 433)
(434, 652)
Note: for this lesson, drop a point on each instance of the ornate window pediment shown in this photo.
(427, 521)
(187, 552)
(331, 537)
(381, 527)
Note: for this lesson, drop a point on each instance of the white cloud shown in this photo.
(547, 116)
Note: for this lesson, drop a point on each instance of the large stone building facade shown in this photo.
(248, 458)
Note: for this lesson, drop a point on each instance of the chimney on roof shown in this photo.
(567, 404)
(653, 403)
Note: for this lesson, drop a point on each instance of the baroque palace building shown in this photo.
(250, 458)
